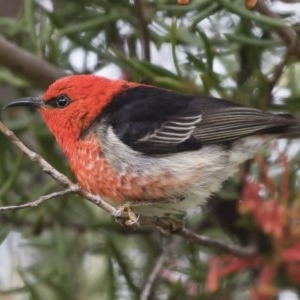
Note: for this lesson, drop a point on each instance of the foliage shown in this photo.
(218, 48)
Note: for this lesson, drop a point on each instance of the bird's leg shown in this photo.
(131, 220)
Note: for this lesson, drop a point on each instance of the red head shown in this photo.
(70, 104)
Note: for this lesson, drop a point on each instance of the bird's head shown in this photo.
(70, 104)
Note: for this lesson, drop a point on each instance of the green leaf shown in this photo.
(98, 22)
(294, 79)
(241, 10)
(173, 38)
(242, 39)
(8, 77)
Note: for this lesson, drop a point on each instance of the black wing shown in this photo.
(157, 121)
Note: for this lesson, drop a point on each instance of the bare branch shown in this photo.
(42, 199)
(171, 226)
(216, 244)
(39, 72)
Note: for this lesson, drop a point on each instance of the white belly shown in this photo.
(208, 167)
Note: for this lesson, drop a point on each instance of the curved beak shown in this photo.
(32, 102)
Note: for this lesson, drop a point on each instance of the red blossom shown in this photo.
(225, 265)
(265, 178)
(285, 182)
(265, 293)
(183, 2)
(250, 3)
(293, 271)
(269, 215)
(271, 218)
(276, 217)
(250, 199)
(291, 254)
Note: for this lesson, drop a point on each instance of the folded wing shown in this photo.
(156, 121)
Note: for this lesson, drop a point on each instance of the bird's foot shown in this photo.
(131, 219)
(168, 226)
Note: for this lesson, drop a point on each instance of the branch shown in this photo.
(42, 199)
(37, 71)
(223, 247)
(146, 293)
(171, 226)
(287, 34)
(167, 225)
(47, 168)
(59, 177)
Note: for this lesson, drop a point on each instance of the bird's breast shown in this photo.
(123, 181)
(121, 175)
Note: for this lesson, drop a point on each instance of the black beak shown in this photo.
(30, 102)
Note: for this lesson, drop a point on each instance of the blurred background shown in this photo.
(68, 248)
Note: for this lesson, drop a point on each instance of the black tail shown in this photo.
(285, 125)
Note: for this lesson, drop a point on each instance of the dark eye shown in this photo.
(62, 101)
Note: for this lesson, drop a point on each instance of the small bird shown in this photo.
(151, 149)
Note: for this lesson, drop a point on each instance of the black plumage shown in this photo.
(157, 121)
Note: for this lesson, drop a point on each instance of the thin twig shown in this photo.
(59, 177)
(171, 226)
(277, 73)
(217, 245)
(42, 199)
(47, 168)
(147, 290)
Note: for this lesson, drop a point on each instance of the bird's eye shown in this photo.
(62, 101)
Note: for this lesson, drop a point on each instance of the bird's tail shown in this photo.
(292, 128)
(292, 132)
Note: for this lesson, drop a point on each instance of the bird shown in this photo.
(150, 149)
